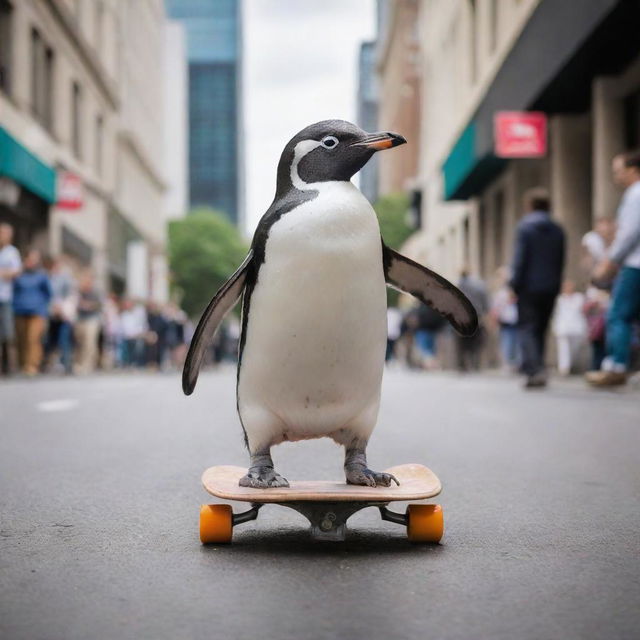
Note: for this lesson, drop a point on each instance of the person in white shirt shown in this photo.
(596, 242)
(623, 259)
(504, 312)
(569, 326)
(394, 329)
(10, 267)
(134, 326)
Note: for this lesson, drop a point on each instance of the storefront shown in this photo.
(27, 190)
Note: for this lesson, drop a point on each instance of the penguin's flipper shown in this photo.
(431, 289)
(222, 302)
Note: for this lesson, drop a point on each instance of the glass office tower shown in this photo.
(214, 45)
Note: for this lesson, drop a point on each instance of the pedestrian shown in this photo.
(595, 311)
(134, 327)
(176, 334)
(469, 350)
(31, 297)
(569, 326)
(62, 313)
(88, 324)
(407, 344)
(504, 311)
(10, 266)
(394, 326)
(156, 338)
(596, 242)
(430, 322)
(623, 259)
(538, 263)
(112, 351)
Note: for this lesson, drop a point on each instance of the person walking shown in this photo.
(62, 313)
(623, 259)
(134, 327)
(595, 311)
(10, 265)
(569, 326)
(504, 311)
(538, 262)
(394, 327)
(469, 350)
(31, 296)
(88, 324)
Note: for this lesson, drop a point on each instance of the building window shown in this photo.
(493, 25)
(76, 116)
(5, 46)
(99, 143)
(42, 61)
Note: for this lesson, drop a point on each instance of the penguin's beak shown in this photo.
(381, 140)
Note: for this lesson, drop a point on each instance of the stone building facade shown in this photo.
(478, 57)
(81, 93)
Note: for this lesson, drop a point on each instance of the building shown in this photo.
(176, 120)
(581, 68)
(368, 114)
(398, 66)
(214, 45)
(81, 135)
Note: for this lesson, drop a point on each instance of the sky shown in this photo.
(300, 66)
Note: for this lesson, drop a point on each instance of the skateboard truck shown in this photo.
(328, 519)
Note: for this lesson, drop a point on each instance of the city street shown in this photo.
(101, 490)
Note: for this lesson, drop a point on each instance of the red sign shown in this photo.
(520, 134)
(70, 195)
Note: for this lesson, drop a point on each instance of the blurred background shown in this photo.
(139, 141)
(138, 148)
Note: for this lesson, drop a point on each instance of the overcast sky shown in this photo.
(300, 66)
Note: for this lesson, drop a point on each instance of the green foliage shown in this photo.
(204, 250)
(392, 215)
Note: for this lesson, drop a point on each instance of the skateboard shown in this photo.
(327, 505)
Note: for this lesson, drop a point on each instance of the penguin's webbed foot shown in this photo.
(263, 478)
(367, 477)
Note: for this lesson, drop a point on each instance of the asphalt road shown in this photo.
(100, 495)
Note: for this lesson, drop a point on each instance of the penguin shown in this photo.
(313, 288)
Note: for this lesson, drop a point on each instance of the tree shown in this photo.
(392, 211)
(204, 250)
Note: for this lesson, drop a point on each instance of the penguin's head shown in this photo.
(329, 150)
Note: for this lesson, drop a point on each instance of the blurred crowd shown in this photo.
(59, 322)
(599, 323)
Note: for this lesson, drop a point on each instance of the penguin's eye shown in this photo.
(329, 142)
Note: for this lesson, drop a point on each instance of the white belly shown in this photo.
(316, 333)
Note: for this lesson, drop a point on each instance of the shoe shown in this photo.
(536, 381)
(606, 378)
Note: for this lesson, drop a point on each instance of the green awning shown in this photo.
(460, 161)
(19, 164)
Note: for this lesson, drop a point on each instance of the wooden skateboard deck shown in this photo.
(327, 505)
(416, 483)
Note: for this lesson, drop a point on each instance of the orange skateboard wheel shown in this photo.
(216, 523)
(425, 522)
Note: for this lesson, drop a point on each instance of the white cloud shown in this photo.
(300, 59)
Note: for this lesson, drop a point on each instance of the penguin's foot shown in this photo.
(367, 477)
(263, 478)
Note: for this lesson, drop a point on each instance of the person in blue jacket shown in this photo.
(538, 263)
(31, 296)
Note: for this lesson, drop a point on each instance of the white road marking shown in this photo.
(64, 404)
